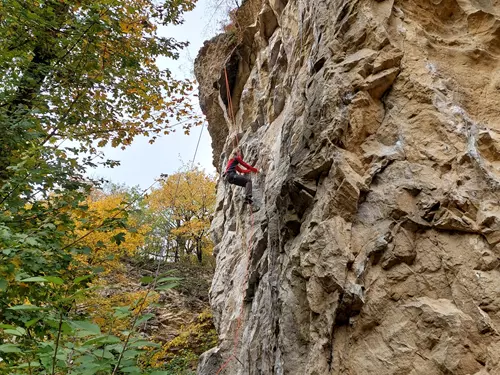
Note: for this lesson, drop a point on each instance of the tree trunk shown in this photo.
(199, 251)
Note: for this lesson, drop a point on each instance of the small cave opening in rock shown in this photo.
(237, 68)
(232, 74)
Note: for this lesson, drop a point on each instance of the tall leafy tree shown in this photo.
(76, 74)
(181, 209)
(85, 70)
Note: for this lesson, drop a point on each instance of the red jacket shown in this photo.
(233, 167)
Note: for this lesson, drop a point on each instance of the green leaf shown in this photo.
(107, 354)
(165, 279)
(98, 269)
(131, 370)
(131, 353)
(26, 307)
(66, 328)
(16, 332)
(78, 280)
(55, 280)
(147, 279)
(115, 347)
(31, 322)
(143, 319)
(27, 365)
(86, 327)
(3, 285)
(31, 241)
(10, 348)
(119, 238)
(122, 312)
(166, 286)
(104, 339)
(85, 250)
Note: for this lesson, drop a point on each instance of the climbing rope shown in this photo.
(248, 243)
(230, 106)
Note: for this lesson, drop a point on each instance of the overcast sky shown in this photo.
(141, 163)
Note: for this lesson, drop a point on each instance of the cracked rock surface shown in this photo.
(375, 126)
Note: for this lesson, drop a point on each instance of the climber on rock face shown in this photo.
(237, 179)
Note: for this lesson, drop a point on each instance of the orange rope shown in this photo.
(239, 320)
(230, 105)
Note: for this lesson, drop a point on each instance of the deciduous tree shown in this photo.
(83, 71)
(182, 209)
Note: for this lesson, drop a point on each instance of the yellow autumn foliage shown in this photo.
(97, 232)
(185, 203)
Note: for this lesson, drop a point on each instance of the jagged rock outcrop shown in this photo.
(375, 127)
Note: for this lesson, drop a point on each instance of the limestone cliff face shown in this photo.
(375, 126)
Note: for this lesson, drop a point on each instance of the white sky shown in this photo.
(142, 162)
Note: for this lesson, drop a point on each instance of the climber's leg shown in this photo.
(237, 179)
(248, 189)
(242, 181)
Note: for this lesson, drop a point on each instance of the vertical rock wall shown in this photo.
(375, 125)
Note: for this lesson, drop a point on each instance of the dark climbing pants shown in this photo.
(237, 179)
